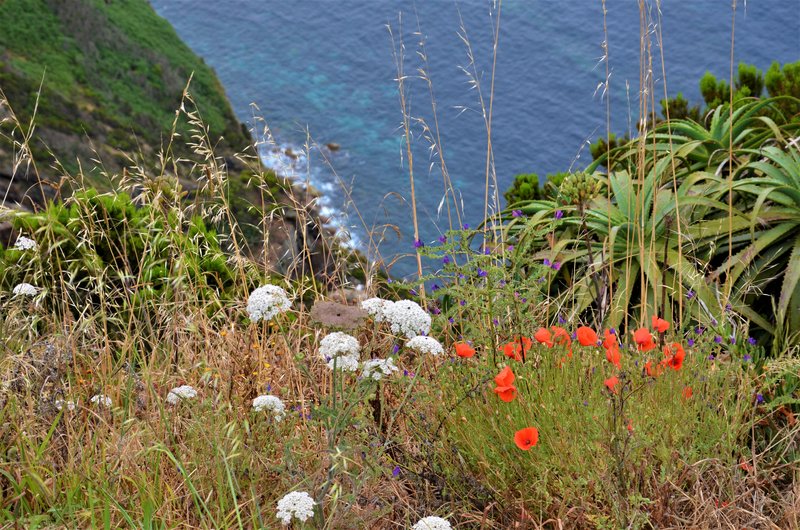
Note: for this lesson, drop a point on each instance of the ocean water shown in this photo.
(324, 71)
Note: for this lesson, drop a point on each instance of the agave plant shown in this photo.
(710, 210)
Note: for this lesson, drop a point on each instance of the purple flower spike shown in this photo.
(690, 342)
(395, 348)
(556, 266)
(718, 339)
(511, 248)
(747, 358)
(546, 262)
(418, 244)
(759, 399)
(466, 226)
(559, 214)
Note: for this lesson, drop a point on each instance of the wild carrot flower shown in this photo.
(611, 383)
(266, 302)
(408, 318)
(526, 438)
(25, 289)
(273, 404)
(25, 243)
(432, 523)
(643, 339)
(587, 336)
(180, 393)
(338, 343)
(464, 350)
(297, 504)
(660, 325)
(543, 336)
(375, 307)
(425, 345)
(101, 399)
(376, 369)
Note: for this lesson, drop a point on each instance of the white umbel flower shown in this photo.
(345, 363)
(101, 399)
(266, 302)
(408, 318)
(432, 523)
(377, 368)
(179, 393)
(25, 289)
(375, 307)
(272, 404)
(25, 243)
(61, 404)
(297, 504)
(427, 345)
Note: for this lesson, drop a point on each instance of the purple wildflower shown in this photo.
(451, 320)
(436, 310)
(556, 266)
(413, 292)
(546, 262)
(690, 294)
(711, 357)
(435, 287)
(396, 471)
(747, 358)
(699, 330)
(732, 339)
(759, 399)
(442, 239)
(502, 283)
(559, 214)
(751, 341)
(418, 244)
(482, 273)
(541, 280)
(466, 226)
(516, 213)
(562, 320)
(486, 251)
(690, 342)
(495, 322)
(718, 339)
(462, 303)
(395, 348)
(446, 260)
(511, 248)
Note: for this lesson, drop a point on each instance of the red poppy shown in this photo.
(614, 357)
(611, 340)
(506, 393)
(526, 438)
(515, 351)
(611, 384)
(653, 372)
(675, 360)
(586, 336)
(464, 350)
(505, 377)
(643, 339)
(543, 336)
(687, 392)
(660, 324)
(561, 337)
(630, 426)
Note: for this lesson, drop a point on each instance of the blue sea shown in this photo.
(325, 71)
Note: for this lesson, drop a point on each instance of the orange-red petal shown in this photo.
(464, 350)
(526, 438)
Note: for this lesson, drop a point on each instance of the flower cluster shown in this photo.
(179, 393)
(425, 345)
(375, 308)
(25, 289)
(408, 318)
(25, 243)
(272, 404)
(101, 399)
(297, 504)
(266, 302)
(432, 523)
(378, 368)
(340, 350)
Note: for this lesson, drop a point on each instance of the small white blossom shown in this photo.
(179, 393)
(408, 318)
(377, 368)
(432, 523)
(60, 404)
(423, 344)
(345, 363)
(297, 504)
(266, 302)
(25, 289)
(25, 243)
(101, 399)
(270, 403)
(375, 307)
